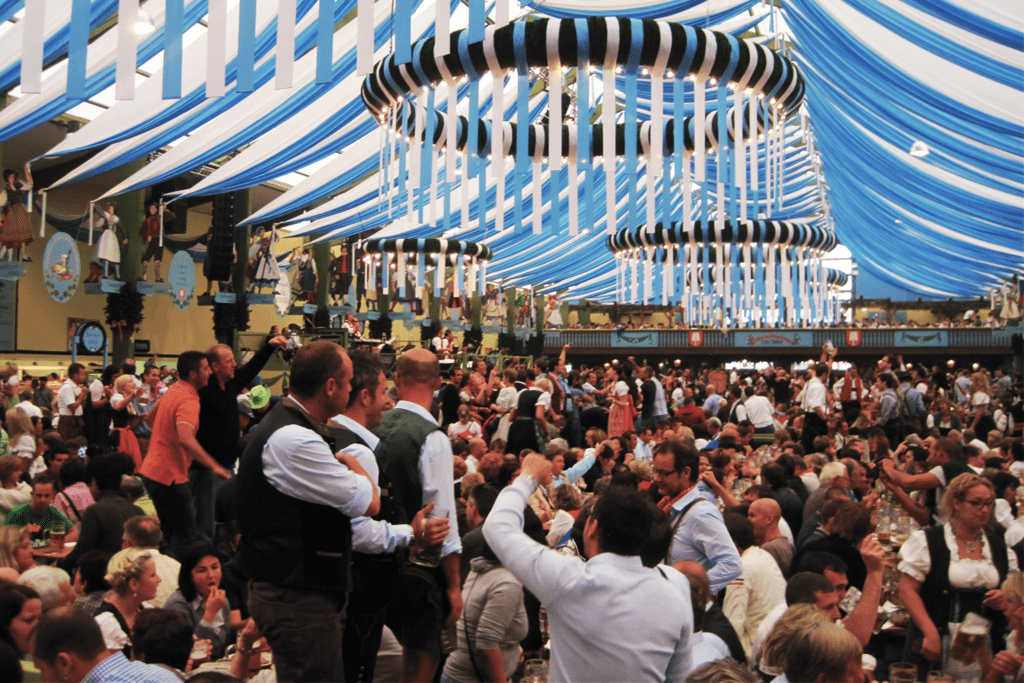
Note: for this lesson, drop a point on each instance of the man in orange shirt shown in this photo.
(172, 448)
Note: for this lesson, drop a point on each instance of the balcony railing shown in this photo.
(920, 337)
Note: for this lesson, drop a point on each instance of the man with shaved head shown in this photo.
(416, 458)
(219, 429)
(764, 516)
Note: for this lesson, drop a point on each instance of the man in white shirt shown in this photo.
(144, 532)
(70, 398)
(760, 412)
(814, 402)
(612, 619)
(760, 589)
(374, 541)
(27, 406)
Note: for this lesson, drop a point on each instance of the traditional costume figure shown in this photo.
(108, 248)
(306, 278)
(553, 313)
(151, 231)
(340, 272)
(263, 268)
(15, 227)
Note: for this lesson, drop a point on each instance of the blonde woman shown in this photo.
(824, 652)
(21, 434)
(133, 580)
(1010, 662)
(775, 650)
(947, 570)
(13, 491)
(16, 548)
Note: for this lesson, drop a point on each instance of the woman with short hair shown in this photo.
(824, 653)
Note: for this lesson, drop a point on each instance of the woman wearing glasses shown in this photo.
(952, 569)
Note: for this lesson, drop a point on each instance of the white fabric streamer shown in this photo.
(285, 56)
(217, 30)
(127, 14)
(32, 47)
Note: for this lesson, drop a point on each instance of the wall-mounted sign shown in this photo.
(62, 267)
(181, 275)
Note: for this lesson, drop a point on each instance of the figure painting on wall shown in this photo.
(340, 272)
(306, 279)
(150, 230)
(15, 227)
(263, 268)
(108, 247)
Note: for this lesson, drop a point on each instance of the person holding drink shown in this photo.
(951, 570)
(416, 457)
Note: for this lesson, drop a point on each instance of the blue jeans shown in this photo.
(304, 629)
(177, 515)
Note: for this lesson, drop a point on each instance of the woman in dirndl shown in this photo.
(15, 227)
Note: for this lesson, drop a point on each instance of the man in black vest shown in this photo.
(294, 504)
(374, 540)
(416, 458)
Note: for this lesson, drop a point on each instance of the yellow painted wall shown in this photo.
(43, 322)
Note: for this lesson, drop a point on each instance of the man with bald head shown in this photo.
(415, 456)
(219, 429)
(477, 450)
(764, 516)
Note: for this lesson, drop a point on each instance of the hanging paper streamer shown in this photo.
(92, 212)
(32, 48)
(174, 26)
(442, 45)
(403, 32)
(127, 14)
(608, 121)
(78, 45)
(216, 31)
(364, 38)
(285, 55)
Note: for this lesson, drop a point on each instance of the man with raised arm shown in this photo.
(612, 619)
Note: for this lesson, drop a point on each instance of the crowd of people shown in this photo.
(610, 523)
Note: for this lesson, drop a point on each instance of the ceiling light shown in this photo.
(143, 25)
(919, 149)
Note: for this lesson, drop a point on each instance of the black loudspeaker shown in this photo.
(179, 226)
(220, 248)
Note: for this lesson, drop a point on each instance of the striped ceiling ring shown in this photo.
(538, 139)
(778, 233)
(684, 51)
(428, 246)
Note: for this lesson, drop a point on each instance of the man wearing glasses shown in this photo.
(698, 528)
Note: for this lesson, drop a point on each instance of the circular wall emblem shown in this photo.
(182, 276)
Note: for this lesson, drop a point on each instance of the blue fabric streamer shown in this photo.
(325, 42)
(246, 46)
(174, 28)
(78, 44)
(403, 32)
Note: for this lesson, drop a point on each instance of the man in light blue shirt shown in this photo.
(611, 618)
(68, 646)
(698, 528)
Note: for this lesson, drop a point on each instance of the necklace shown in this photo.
(971, 545)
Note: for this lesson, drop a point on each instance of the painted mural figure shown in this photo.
(15, 227)
(150, 230)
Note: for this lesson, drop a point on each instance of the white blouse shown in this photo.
(915, 562)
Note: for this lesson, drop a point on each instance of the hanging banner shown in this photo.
(634, 339)
(62, 267)
(774, 338)
(181, 275)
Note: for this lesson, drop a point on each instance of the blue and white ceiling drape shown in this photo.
(279, 130)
